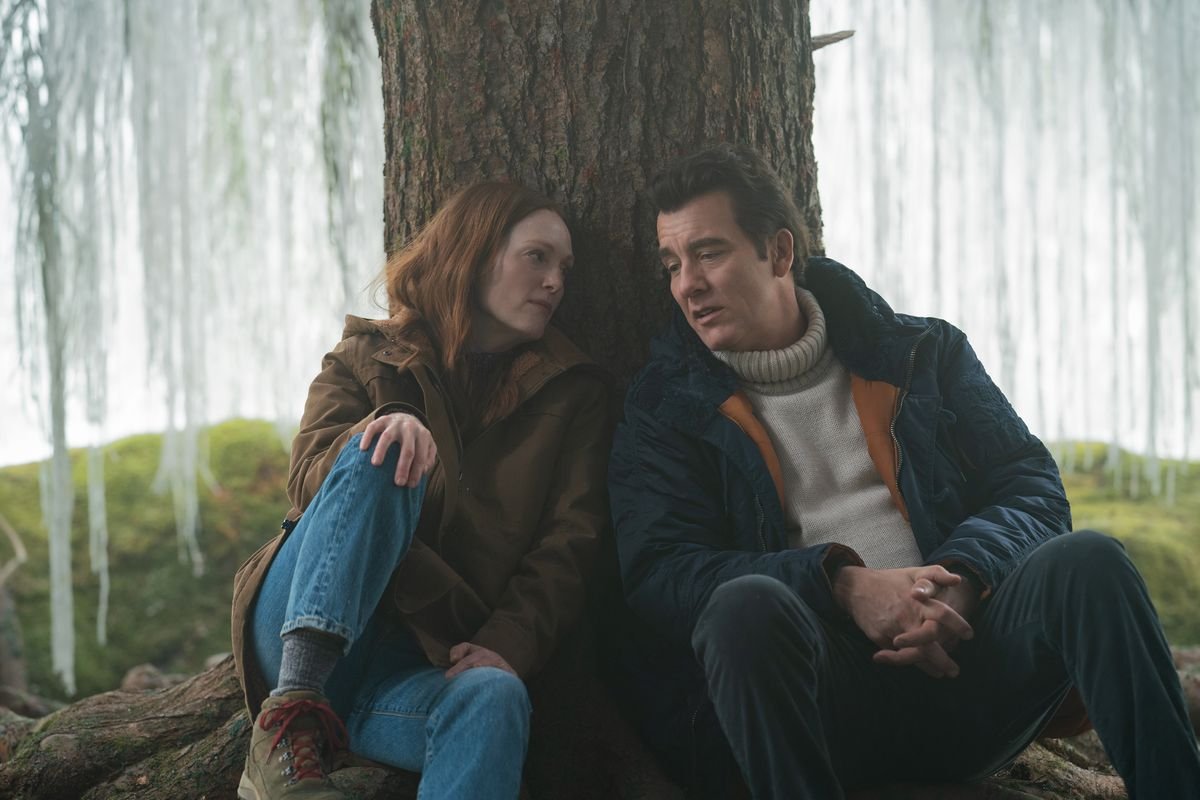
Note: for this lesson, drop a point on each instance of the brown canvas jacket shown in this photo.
(511, 520)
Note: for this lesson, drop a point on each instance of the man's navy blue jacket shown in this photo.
(694, 504)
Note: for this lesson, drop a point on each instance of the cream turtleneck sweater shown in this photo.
(832, 492)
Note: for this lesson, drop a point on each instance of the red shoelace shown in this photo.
(305, 750)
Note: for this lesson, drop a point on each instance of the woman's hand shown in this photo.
(417, 450)
(465, 655)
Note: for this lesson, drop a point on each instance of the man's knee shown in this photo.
(1086, 555)
(1085, 573)
(749, 616)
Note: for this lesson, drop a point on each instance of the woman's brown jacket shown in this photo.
(511, 519)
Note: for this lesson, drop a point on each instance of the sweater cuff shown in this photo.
(969, 574)
(509, 642)
(399, 408)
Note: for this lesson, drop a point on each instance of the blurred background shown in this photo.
(191, 200)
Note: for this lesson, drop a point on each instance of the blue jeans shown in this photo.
(468, 735)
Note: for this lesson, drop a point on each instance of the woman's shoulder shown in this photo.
(555, 372)
(393, 330)
(384, 339)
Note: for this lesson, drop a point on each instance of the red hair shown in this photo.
(432, 280)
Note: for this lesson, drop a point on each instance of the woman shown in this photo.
(447, 483)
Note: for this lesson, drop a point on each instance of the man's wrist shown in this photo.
(970, 590)
(842, 583)
(969, 576)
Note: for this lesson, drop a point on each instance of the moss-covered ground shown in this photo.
(161, 613)
(1160, 532)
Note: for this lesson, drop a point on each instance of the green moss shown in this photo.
(158, 611)
(1162, 538)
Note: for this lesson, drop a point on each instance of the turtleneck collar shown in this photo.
(790, 368)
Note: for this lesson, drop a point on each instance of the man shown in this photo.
(851, 556)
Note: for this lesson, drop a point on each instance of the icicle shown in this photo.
(1080, 389)
(1113, 77)
(936, 24)
(164, 86)
(880, 188)
(351, 101)
(95, 109)
(230, 121)
(98, 537)
(41, 290)
(1060, 208)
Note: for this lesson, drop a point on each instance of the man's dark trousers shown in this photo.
(807, 713)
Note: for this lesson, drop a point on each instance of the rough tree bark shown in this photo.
(585, 99)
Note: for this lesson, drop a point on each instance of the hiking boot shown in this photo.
(291, 744)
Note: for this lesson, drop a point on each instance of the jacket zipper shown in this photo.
(760, 519)
(912, 363)
(695, 743)
(436, 379)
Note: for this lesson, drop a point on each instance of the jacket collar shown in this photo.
(684, 383)
(870, 339)
(535, 364)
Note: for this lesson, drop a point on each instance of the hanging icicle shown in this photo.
(35, 84)
(350, 84)
(216, 122)
(1062, 203)
(94, 121)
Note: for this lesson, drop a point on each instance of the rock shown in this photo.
(215, 659)
(147, 677)
(61, 745)
(1191, 693)
(13, 728)
(1186, 658)
(26, 704)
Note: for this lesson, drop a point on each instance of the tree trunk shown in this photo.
(584, 99)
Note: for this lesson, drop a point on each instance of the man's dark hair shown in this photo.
(761, 204)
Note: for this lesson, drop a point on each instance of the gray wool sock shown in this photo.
(309, 657)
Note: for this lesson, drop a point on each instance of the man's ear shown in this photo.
(780, 250)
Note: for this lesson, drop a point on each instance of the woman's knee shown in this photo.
(353, 457)
(492, 697)
(360, 491)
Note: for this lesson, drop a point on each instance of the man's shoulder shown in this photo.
(652, 387)
(681, 383)
(867, 335)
